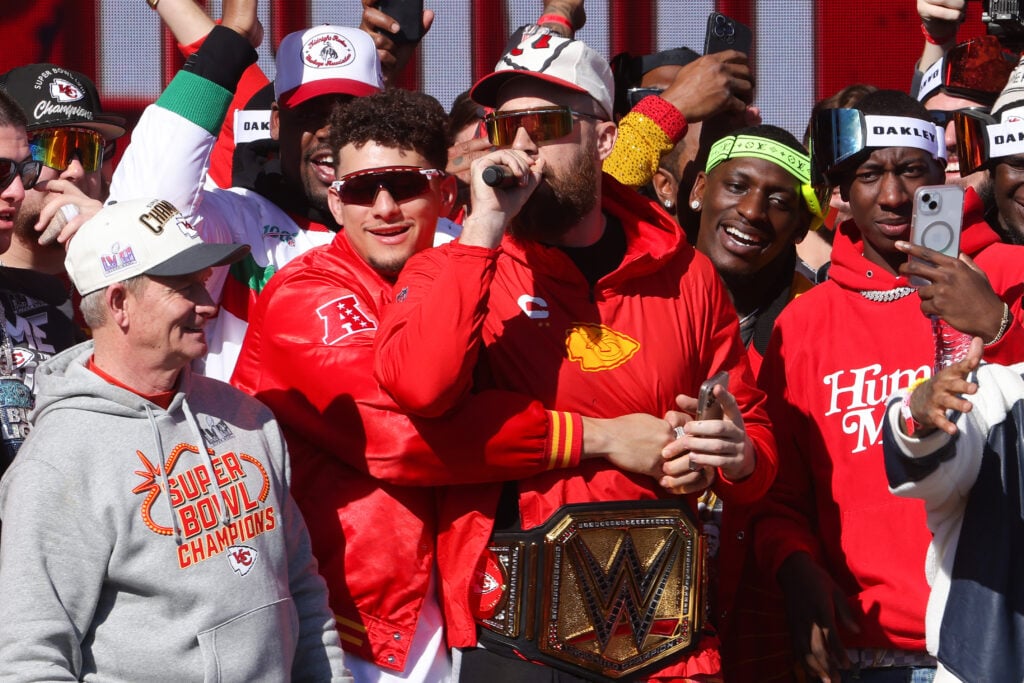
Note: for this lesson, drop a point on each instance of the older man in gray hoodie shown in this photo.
(149, 534)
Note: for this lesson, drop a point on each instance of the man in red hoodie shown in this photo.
(848, 555)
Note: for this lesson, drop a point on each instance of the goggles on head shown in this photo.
(975, 70)
(981, 140)
(29, 170)
(795, 162)
(634, 95)
(58, 147)
(839, 136)
(402, 183)
(542, 123)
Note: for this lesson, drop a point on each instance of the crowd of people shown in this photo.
(595, 377)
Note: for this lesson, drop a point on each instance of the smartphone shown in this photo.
(408, 14)
(725, 33)
(708, 407)
(937, 220)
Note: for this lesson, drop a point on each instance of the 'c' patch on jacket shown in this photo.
(597, 347)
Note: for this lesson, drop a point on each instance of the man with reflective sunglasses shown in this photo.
(68, 133)
(951, 77)
(36, 320)
(848, 556)
(364, 473)
(994, 146)
(592, 302)
(285, 213)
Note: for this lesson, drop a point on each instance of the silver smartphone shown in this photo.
(937, 220)
(708, 406)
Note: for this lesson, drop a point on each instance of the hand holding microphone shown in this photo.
(499, 176)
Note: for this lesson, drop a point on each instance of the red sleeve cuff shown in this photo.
(565, 439)
(668, 118)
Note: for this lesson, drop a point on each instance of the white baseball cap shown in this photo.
(326, 60)
(137, 237)
(539, 53)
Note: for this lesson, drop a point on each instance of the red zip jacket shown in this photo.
(655, 327)
(834, 359)
(362, 472)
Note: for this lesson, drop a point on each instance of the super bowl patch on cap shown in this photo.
(53, 96)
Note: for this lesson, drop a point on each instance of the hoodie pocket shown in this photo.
(256, 646)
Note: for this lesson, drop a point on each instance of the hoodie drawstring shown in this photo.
(204, 453)
(178, 538)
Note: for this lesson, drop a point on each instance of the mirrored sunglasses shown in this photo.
(542, 123)
(836, 136)
(401, 182)
(981, 141)
(28, 169)
(977, 69)
(634, 95)
(58, 147)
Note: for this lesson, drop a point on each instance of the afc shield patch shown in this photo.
(344, 317)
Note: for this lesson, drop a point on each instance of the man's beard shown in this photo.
(559, 203)
(25, 227)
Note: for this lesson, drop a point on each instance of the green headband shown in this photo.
(797, 164)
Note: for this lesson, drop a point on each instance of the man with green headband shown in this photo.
(755, 203)
(848, 555)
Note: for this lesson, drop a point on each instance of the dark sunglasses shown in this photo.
(401, 182)
(542, 123)
(942, 117)
(58, 147)
(634, 95)
(28, 169)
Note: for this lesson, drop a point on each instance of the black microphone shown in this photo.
(499, 176)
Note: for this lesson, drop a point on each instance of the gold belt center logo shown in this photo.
(597, 347)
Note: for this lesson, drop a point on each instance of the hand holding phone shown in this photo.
(708, 406)
(724, 33)
(408, 14)
(936, 221)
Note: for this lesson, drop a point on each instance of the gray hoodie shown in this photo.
(106, 577)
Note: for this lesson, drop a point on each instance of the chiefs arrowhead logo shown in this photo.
(242, 558)
(489, 586)
(65, 91)
(596, 347)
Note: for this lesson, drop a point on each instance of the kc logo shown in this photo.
(242, 558)
(64, 91)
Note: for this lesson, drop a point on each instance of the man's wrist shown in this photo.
(557, 23)
(939, 32)
(1004, 325)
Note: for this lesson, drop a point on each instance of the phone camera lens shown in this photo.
(933, 205)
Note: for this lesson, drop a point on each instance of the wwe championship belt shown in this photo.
(612, 589)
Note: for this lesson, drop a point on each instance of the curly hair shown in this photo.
(393, 118)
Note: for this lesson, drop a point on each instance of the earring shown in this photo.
(668, 204)
(695, 205)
